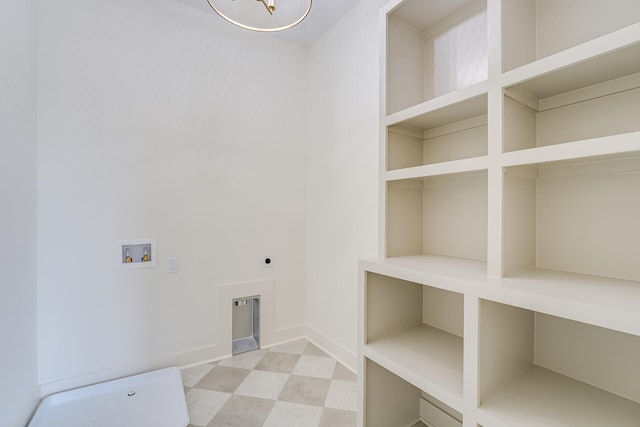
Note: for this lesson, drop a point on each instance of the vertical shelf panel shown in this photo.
(506, 344)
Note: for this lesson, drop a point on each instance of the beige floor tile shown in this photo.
(337, 418)
(305, 390)
(343, 374)
(204, 404)
(278, 362)
(293, 414)
(312, 350)
(223, 378)
(243, 411)
(190, 376)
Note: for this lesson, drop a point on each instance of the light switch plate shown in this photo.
(173, 265)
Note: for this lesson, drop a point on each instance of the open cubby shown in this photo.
(392, 401)
(538, 113)
(534, 368)
(534, 29)
(434, 47)
(578, 216)
(416, 331)
(456, 132)
(440, 215)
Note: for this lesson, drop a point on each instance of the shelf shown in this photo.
(596, 147)
(452, 107)
(535, 118)
(535, 367)
(575, 69)
(450, 133)
(454, 274)
(550, 34)
(426, 357)
(605, 302)
(444, 168)
(539, 397)
(433, 47)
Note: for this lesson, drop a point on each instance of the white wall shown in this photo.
(342, 177)
(158, 120)
(18, 355)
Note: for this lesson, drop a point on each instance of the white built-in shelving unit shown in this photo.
(507, 292)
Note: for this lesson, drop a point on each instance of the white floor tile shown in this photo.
(247, 360)
(293, 414)
(204, 404)
(342, 395)
(314, 366)
(295, 347)
(190, 376)
(266, 385)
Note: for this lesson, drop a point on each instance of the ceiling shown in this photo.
(324, 13)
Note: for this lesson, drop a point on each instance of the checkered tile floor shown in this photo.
(293, 384)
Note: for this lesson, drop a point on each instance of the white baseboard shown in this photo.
(285, 335)
(335, 350)
(191, 357)
(29, 408)
(199, 356)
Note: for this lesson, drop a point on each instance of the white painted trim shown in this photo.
(198, 356)
(187, 358)
(285, 335)
(343, 355)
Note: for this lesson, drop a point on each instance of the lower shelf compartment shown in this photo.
(433, 415)
(426, 357)
(540, 397)
(391, 401)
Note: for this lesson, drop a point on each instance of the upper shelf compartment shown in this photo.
(434, 47)
(455, 132)
(535, 29)
(576, 103)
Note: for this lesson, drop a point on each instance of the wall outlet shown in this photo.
(268, 261)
